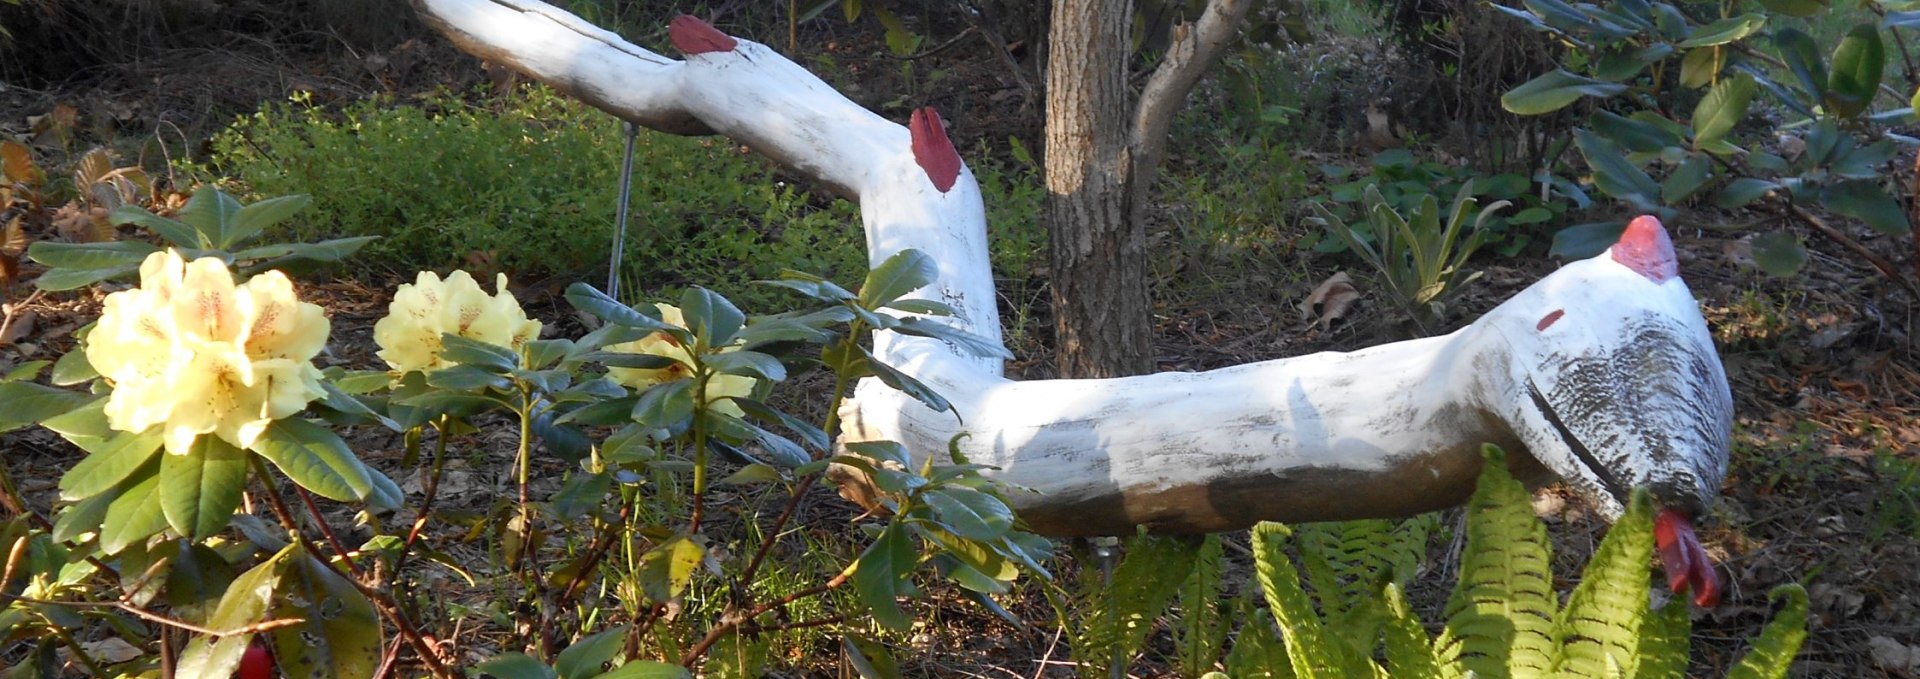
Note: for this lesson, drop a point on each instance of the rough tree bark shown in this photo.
(1101, 158)
(1603, 372)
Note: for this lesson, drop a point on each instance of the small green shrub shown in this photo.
(529, 183)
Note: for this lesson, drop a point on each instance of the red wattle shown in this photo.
(1704, 581)
(693, 36)
(1645, 248)
(932, 150)
(1675, 558)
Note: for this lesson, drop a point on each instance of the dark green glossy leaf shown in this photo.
(478, 354)
(332, 250)
(1686, 179)
(665, 406)
(1866, 201)
(200, 490)
(1723, 108)
(69, 279)
(511, 665)
(966, 342)
(902, 273)
(197, 577)
(1802, 56)
(1586, 240)
(906, 384)
(1614, 175)
(584, 658)
(1726, 30)
(317, 459)
(109, 255)
(1797, 8)
(647, 669)
(1858, 62)
(253, 219)
(135, 514)
(211, 211)
(879, 574)
(921, 306)
(969, 513)
(869, 659)
(1635, 135)
(177, 233)
(808, 433)
(1742, 191)
(341, 635)
(586, 298)
(467, 378)
(1554, 91)
(748, 363)
(713, 319)
(1701, 66)
(246, 602)
(1779, 253)
(72, 368)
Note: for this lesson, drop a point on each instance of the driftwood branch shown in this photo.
(1603, 371)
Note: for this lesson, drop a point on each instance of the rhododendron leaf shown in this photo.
(200, 490)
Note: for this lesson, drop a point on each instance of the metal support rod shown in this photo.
(620, 215)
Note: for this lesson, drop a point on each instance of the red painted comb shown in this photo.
(932, 150)
(1645, 248)
(693, 36)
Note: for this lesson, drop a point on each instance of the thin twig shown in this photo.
(159, 619)
(1881, 263)
(601, 542)
(730, 623)
(327, 531)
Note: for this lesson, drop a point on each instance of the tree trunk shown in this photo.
(1100, 303)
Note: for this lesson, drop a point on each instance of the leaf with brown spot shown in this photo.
(1329, 303)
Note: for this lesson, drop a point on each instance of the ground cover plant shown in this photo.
(1821, 491)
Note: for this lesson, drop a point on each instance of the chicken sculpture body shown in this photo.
(1603, 372)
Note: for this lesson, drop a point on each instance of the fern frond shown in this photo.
(1143, 584)
(1257, 652)
(1202, 629)
(1500, 616)
(1313, 651)
(1665, 641)
(1344, 560)
(1603, 617)
(1410, 653)
(1773, 652)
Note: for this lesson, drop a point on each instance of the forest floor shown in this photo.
(1824, 489)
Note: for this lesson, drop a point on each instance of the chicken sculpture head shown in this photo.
(1615, 383)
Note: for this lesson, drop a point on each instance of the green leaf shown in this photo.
(1257, 651)
(966, 342)
(1743, 191)
(1600, 626)
(1866, 201)
(1701, 65)
(1779, 253)
(1313, 651)
(665, 406)
(647, 669)
(750, 475)
(331, 250)
(1802, 56)
(1201, 632)
(1772, 653)
(317, 459)
(879, 573)
(1614, 175)
(713, 319)
(467, 378)
(969, 513)
(493, 358)
(511, 665)
(1796, 8)
(583, 659)
(57, 280)
(581, 493)
(135, 514)
(906, 383)
(197, 578)
(1499, 617)
(1409, 653)
(1554, 91)
(246, 602)
(1857, 65)
(252, 219)
(1586, 240)
(666, 569)
(200, 490)
(177, 233)
(586, 298)
(341, 635)
(904, 272)
(1664, 640)
(1639, 136)
(1686, 179)
(210, 211)
(1723, 107)
(869, 658)
(28, 403)
(72, 368)
(111, 255)
(748, 363)
(1726, 30)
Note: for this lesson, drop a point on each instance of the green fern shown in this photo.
(1500, 616)
(1773, 652)
(1665, 640)
(1201, 631)
(1257, 652)
(1122, 613)
(1409, 653)
(1314, 652)
(1600, 625)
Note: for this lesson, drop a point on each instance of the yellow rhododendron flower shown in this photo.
(192, 352)
(409, 336)
(662, 344)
